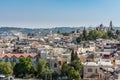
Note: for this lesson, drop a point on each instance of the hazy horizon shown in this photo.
(58, 13)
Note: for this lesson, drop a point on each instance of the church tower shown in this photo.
(111, 26)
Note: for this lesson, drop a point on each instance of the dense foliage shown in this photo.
(23, 68)
(73, 69)
(96, 34)
(6, 68)
(43, 70)
(73, 56)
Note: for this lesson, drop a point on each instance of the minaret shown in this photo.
(111, 25)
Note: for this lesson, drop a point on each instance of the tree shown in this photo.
(117, 32)
(105, 36)
(55, 75)
(6, 68)
(41, 66)
(43, 69)
(23, 68)
(58, 32)
(84, 34)
(70, 72)
(75, 56)
(64, 69)
(77, 64)
(79, 39)
(82, 37)
(110, 34)
(93, 35)
(73, 74)
(72, 56)
(65, 34)
(26, 64)
(96, 34)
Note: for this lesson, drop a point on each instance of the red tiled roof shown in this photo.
(36, 44)
(32, 55)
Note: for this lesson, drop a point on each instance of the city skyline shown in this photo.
(58, 13)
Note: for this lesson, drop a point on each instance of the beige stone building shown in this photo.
(85, 49)
(91, 70)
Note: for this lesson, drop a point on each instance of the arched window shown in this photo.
(14, 59)
(6, 59)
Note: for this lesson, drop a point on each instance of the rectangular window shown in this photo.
(59, 62)
(96, 71)
(89, 70)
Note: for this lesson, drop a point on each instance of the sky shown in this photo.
(58, 13)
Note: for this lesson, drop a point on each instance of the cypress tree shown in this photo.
(72, 55)
(75, 56)
(84, 34)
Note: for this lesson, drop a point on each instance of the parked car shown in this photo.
(2, 77)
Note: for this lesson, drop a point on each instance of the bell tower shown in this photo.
(111, 26)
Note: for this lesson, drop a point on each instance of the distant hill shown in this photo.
(44, 31)
(40, 30)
